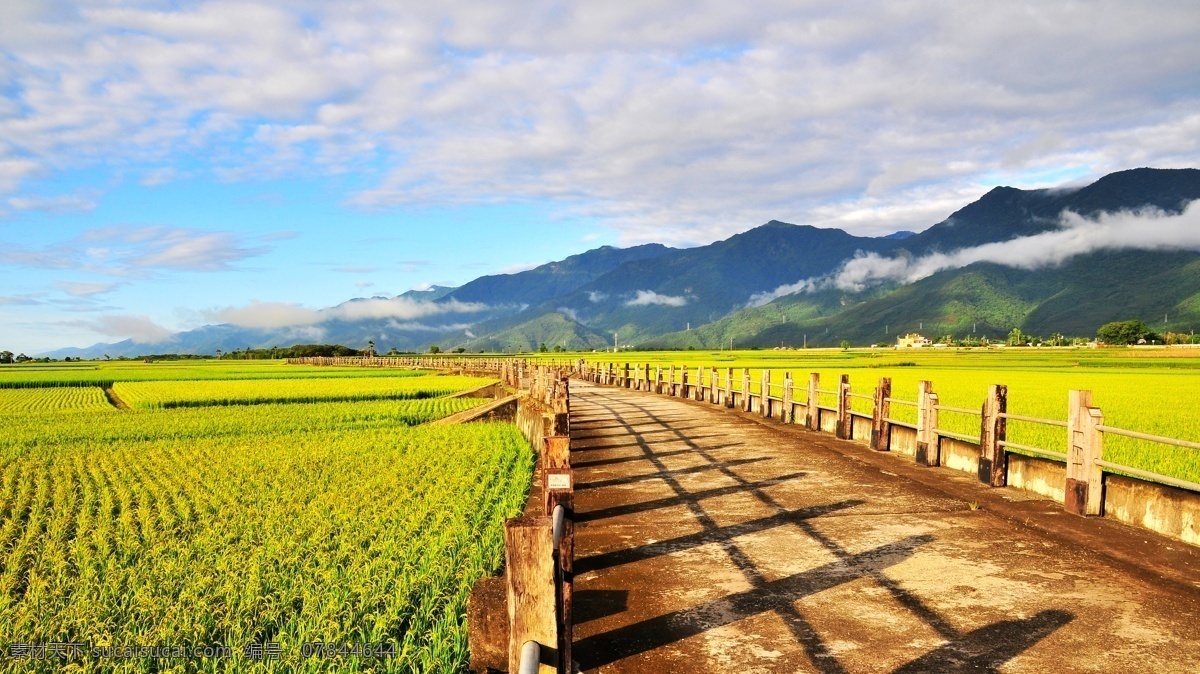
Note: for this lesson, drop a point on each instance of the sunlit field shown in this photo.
(334, 517)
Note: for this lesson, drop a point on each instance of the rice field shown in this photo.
(61, 399)
(221, 527)
(106, 373)
(168, 394)
(1143, 390)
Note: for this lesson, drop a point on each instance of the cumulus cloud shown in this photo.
(649, 297)
(569, 313)
(666, 129)
(596, 296)
(1076, 235)
(129, 251)
(268, 315)
(140, 329)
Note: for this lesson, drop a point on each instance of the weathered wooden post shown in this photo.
(658, 378)
(646, 379)
(764, 404)
(927, 419)
(880, 428)
(532, 590)
(745, 390)
(683, 381)
(698, 393)
(812, 412)
(728, 387)
(625, 379)
(845, 426)
(1085, 444)
(788, 413)
(993, 469)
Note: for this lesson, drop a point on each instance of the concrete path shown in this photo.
(707, 541)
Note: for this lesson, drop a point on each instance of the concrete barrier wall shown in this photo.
(960, 455)
(903, 440)
(1040, 476)
(860, 429)
(828, 421)
(1167, 510)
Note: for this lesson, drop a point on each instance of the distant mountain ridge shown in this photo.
(744, 287)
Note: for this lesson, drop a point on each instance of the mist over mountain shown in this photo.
(1050, 260)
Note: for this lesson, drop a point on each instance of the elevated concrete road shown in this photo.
(707, 541)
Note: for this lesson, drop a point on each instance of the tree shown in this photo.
(461, 349)
(543, 348)
(845, 344)
(1015, 338)
(6, 357)
(218, 354)
(371, 348)
(1126, 332)
(23, 358)
(435, 349)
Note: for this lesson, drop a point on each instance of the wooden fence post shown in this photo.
(845, 427)
(788, 413)
(683, 382)
(993, 468)
(532, 590)
(927, 419)
(745, 390)
(812, 412)
(1085, 480)
(729, 387)
(764, 405)
(880, 428)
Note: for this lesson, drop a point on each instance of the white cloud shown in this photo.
(138, 328)
(84, 289)
(569, 313)
(676, 121)
(596, 296)
(1075, 235)
(649, 297)
(59, 205)
(125, 250)
(268, 315)
(363, 284)
(520, 267)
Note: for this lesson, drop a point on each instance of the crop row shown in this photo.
(355, 535)
(24, 401)
(24, 433)
(169, 394)
(106, 373)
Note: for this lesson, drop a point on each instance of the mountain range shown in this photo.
(1044, 261)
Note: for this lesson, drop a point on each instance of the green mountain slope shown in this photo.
(552, 329)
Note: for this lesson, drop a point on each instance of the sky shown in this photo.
(163, 164)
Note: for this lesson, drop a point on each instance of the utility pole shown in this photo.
(806, 340)
(616, 347)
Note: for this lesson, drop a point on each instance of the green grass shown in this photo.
(105, 373)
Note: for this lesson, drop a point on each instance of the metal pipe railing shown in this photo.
(1061, 456)
(1035, 420)
(960, 410)
(531, 657)
(956, 436)
(1149, 437)
(1147, 475)
(560, 514)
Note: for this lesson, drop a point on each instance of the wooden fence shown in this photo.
(1091, 485)
(522, 621)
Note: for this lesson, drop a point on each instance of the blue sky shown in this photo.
(163, 165)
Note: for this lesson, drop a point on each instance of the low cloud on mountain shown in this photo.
(1150, 230)
(649, 297)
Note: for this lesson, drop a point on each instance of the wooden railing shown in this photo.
(528, 626)
(986, 453)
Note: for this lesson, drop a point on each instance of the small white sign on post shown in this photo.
(558, 481)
